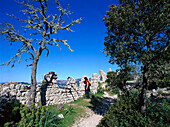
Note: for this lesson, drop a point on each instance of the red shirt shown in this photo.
(87, 82)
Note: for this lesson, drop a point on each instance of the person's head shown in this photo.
(85, 78)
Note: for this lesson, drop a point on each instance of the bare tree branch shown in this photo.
(11, 35)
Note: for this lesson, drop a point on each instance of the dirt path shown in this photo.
(95, 115)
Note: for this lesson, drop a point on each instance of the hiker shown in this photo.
(87, 87)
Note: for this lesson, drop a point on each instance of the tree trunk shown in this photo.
(33, 81)
(143, 93)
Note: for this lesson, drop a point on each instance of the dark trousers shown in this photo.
(87, 93)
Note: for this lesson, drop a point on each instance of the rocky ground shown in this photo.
(95, 115)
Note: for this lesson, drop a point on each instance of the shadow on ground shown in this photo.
(101, 105)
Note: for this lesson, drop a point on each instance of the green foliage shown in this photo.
(118, 79)
(39, 116)
(44, 82)
(160, 92)
(7, 124)
(116, 91)
(158, 76)
(126, 113)
(70, 110)
(10, 114)
(99, 88)
(111, 79)
(138, 33)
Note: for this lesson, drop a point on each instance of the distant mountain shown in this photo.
(15, 82)
(59, 82)
(78, 80)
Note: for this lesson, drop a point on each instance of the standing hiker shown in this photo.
(87, 87)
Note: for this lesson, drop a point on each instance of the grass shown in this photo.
(74, 110)
(69, 112)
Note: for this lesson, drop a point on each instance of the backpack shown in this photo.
(90, 83)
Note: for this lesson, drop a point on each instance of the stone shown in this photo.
(61, 116)
(6, 89)
(22, 88)
(51, 77)
(95, 75)
(22, 98)
(38, 99)
(38, 88)
(70, 81)
(102, 76)
(12, 86)
(23, 94)
(23, 102)
(27, 94)
(38, 94)
(51, 98)
(110, 70)
(13, 92)
(18, 86)
(19, 94)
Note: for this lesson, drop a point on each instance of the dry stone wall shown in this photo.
(49, 93)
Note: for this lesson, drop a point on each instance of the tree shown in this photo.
(138, 32)
(119, 78)
(39, 24)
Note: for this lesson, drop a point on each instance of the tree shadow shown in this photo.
(43, 94)
(101, 105)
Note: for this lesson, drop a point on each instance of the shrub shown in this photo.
(126, 113)
(10, 113)
(99, 88)
(116, 91)
(44, 82)
(160, 92)
(39, 116)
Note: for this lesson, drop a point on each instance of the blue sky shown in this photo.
(87, 42)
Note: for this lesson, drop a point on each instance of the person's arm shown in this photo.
(87, 85)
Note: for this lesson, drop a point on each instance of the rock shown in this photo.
(38, 99)
(23, 102)
(153, 90)
(12, 86)
(27, 94)
(38, 88)
(51, 77)
(18, 86)
(19, 94)
(6, 89)
(102, 76)
(61, 116)
(23, 94)
(22, 98)
(13, 92)
(22, 89)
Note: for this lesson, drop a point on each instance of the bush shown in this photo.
(126, 113)
(99, 88)
(10, 113)
(116, 91)
(160, 92)
(39, 116)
